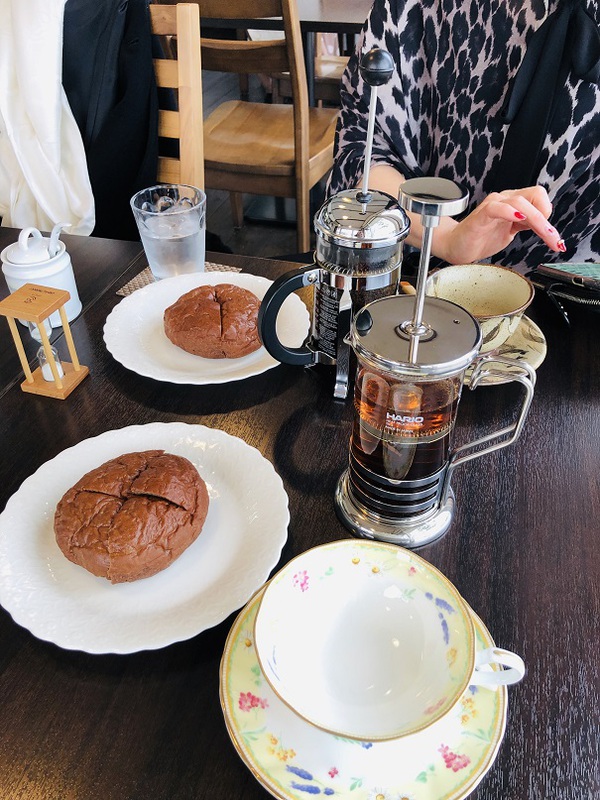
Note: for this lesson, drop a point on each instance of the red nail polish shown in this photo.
(561, 246)
(520, 216)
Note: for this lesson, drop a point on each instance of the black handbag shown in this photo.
(563, 285)
(567, 42)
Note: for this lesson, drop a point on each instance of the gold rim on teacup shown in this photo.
(444, 607)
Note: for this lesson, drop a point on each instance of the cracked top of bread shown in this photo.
(215, 321)
(132, 516)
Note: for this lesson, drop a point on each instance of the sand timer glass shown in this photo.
(34, 304)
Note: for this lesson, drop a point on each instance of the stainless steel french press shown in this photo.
(412, 356)
(358, 256)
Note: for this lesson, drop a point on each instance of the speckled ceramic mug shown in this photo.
(496, 296)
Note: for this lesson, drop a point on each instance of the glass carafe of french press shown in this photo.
(358, 255)
(412, 355)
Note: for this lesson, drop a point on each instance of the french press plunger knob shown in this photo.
(432, 198)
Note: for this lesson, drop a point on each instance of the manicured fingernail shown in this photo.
(520, 216)
(561, 245)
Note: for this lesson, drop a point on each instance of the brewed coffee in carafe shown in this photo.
(402, 430)
(405, 410)
(412, 354)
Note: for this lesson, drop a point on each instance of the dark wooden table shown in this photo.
(523, 550)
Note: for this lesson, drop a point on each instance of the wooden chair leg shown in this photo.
(244, 87)
(275, 95)
(243, 80)
(303, 221)
(236, 201)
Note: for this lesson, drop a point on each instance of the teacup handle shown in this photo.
(514, 672)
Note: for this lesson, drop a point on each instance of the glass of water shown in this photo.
(171, 219)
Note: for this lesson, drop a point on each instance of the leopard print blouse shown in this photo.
(439, 115)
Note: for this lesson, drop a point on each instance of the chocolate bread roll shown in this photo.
(215, 321)
(132, 516)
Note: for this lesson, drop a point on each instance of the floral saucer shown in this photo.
(293, 759)
(527, 344)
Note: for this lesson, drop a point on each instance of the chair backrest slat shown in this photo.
(238, 9)
(166, 72)
(185, 76)
(169, 170)
(168, 124)
(163, 20)
(248, 57)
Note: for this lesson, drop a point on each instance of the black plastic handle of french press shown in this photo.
(269, 309)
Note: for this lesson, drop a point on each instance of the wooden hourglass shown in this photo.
(34, 304)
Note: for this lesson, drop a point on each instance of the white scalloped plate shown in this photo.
(134, 332)
(239, 545)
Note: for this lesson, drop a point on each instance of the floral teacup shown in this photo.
(368, 641)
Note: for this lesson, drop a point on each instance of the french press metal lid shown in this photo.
(360, 239)
(379, 337)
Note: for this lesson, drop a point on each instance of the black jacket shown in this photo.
(108, 77)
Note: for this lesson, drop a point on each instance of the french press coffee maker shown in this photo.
(359, 236)
(412, 354)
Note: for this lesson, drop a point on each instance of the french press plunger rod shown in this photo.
(412, 355)
(359, 236)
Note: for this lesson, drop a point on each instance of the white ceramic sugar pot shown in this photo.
(35, 258)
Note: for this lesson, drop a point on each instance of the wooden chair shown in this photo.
(329, 67)
(328, 77)
(280, 150)
(180, 71)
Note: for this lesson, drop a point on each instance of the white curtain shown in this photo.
(43, 169)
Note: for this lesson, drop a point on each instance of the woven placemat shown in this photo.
(145, 277)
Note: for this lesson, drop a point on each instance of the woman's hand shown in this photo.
(486, 230)
(494, 224)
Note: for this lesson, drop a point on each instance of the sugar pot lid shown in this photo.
(34, 248)
(355, 220)
(451, 343)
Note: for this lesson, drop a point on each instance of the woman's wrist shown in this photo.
(442, 242)
(387, 179)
